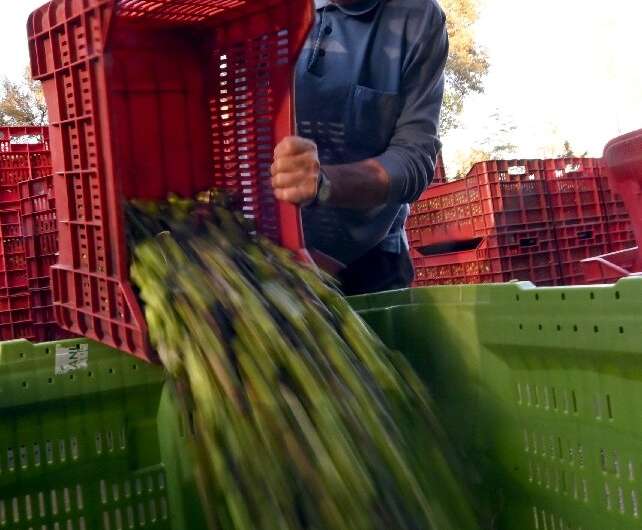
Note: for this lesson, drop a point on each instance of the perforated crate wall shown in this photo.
(79, 444)
(147, 98)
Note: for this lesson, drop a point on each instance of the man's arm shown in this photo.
(402, 172)
(296, 168)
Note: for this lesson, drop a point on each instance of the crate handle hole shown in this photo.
(574, 399)
(528, 242)
(609, 407)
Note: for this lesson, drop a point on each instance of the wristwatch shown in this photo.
(324, 189)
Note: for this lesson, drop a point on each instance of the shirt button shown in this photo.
(328, 30)
(321, 53)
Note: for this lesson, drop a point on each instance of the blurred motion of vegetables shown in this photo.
(303, 419)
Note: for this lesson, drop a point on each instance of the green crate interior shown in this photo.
(539, 388)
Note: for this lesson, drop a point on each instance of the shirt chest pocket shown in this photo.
(371, 116)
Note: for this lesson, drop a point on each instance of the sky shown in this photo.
(560, 70)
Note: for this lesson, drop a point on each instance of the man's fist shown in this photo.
(295, 172)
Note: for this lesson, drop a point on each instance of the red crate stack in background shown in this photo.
(618, 219)
(501, 257)
(574, 194)
(622, 175)
(498, 195)
(26, 194)
(574, 190)
(466, 231)
(497, 215)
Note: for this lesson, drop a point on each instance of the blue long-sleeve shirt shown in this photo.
(370, 84)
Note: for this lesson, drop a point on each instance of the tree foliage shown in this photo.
(22, 102)
(467, 63)
(569, 152)
(497, 144)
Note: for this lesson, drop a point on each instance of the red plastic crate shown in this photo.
(40, 236)
(623, 157)
(574, 190)
(147, 98)
(528, 255)
(27, 139)
(28, 242)
(15, 315)
(577, 243)
(611, 198)
(13, 263)
(15, 309)
(623, 161)
(495, 196)
(609, 268)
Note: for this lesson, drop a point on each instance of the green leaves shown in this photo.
(302, 418)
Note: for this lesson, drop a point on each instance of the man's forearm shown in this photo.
(359, 186)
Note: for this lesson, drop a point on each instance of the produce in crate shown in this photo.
(303, 419)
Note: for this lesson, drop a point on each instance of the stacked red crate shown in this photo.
(493, 225)
(574, 194)
(617, 216)
(454, 226)
(28, 235)
(527, 254)
(622, 173)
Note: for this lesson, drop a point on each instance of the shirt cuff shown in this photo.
(396, 166)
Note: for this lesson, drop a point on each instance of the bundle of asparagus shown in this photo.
(303, 419)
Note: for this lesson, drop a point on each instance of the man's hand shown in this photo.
(295, 172)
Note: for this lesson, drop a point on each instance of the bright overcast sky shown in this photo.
(560, 70)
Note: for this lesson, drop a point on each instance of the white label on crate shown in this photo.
(71, 358)
(517, 170)
(573, 168)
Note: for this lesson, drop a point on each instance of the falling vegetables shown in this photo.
(303, 418)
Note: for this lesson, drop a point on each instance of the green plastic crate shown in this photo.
(540, 389)
(78, 439)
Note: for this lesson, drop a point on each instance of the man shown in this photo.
(369, 88)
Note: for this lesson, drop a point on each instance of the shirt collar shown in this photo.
(358, 8)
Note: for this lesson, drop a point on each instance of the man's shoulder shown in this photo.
(414, 5)
(426, 10)
(421, 17)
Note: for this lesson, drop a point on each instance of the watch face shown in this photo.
(324, 189)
